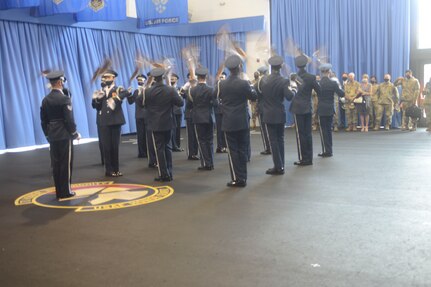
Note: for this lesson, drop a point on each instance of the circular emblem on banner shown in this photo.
(98, 196)
(96, 5)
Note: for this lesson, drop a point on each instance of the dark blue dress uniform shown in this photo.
(159, 102)
(302, 110)
(192, 144)
(234, 94)
(111, 120)
(151, 153)
(97, 108)
(59, 128)
(139, 117)
(178, 118)
(221, 141)
(263, 130)
(325, 109)
(274, 91)
(203, 100)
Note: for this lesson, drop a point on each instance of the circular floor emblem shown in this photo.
(98, 196)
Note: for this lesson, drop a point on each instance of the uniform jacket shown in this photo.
(178, 110)
(301, 103)
(109, 117)
(139, 109)
(57, 117)
(234, 94)
(159, 102)
(274, 89)
(411, 89)
(386, 93)
(203, 103)
(427, 94)
(325, 104)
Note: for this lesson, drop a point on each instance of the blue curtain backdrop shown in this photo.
(26, 49)
(361, 36)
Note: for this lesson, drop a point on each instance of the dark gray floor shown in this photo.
(361, 218)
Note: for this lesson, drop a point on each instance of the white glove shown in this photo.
(186, 86)
(343, 100)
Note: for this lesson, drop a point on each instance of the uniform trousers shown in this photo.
(176, 132)
(237, 142)
(141, 135)
(304, 137)
(205, 136)
(100, 144)
(276, 140)
(407, 122)
(221, 141)
(62, 162)
(111, 145)
(192, 144)
(150, 148)
(163, 147)
(264, 133)
(326, 133)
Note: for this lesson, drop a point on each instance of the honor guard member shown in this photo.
(387, 95)
(351, 91)
(234, 94)
(59, 128)
(325, 108)
(203, 117)
(178, 117)
(111, 120)
(140, 99)
(221, 141)
(301, 108)
(263, 71)
(96, 96)
(139, 117)
(192, 144)
(275, 90)
(410, 93)
(159, 102)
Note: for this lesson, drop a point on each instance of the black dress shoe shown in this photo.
(275, 171)
(206, 167)
(152, 165)
(71, 194)
(237, 183)
(177, 149)
(163, 178)
(265, 152)
(111, 174)
(224, 150)
(219, 150)
(303, 163)
(325, 154)
(118, 173)
(193, 157)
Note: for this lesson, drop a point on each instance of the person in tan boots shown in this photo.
(427, 104)
(410, 94)
(351, 90)
(387, 97)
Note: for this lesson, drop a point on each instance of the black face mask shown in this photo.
(408, 76)
(344, 78)
(108, 83)
(387, 80)
(103, 84)
(373, 82)
(140, 83)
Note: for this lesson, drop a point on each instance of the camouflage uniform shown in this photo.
(374, 105)
(410, 94)
(351, 91)
(427, 104)
(386, 94)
